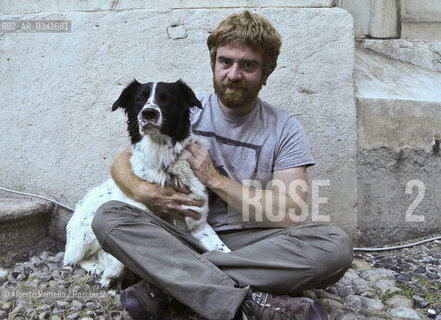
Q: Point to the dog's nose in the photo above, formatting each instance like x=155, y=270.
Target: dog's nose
x=150, y=114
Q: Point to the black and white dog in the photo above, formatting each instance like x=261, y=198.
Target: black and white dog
x=158, y=122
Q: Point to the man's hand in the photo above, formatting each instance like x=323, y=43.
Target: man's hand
x=165, y=202
x=203, y=166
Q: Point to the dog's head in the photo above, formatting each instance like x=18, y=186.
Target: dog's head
x=157, y=108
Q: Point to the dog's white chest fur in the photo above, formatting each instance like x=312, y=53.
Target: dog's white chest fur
x=165, y=163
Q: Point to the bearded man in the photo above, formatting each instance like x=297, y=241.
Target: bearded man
x=252, y=145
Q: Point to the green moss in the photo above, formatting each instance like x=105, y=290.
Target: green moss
x=431, y=292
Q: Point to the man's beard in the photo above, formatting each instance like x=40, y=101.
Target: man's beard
x=243, y=95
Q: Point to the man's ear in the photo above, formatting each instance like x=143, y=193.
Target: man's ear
x=126, y=95
x=189, y=95
x=265, y=77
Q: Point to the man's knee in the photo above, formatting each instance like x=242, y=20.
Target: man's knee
x=339, y=251
x=344, y=247
x=105, y=219
x=330, y=248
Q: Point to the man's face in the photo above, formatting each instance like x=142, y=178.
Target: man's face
x=238, y=76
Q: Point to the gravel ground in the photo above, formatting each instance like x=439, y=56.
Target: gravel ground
x=399, y=284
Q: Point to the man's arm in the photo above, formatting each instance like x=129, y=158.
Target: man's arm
x=284, y=205
x=164, y=202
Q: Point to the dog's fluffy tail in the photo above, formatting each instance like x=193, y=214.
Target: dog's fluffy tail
x=74, y=252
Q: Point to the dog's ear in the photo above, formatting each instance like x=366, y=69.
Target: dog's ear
x=126, y=95
x=189, y=95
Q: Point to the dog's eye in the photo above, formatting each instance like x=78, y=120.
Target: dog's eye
x=140, y=99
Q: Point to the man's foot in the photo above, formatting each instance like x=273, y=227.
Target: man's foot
x=145, y=301
x=264, y=306
x=178, y=311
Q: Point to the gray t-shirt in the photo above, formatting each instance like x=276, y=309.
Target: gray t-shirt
x=246, y=148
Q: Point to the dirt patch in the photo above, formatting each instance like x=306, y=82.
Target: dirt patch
x=9, y=259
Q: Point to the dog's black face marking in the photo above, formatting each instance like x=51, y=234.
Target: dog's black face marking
x=160, y=106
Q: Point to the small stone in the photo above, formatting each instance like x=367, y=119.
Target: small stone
x=7, y=306
x=44, y=308
x=92, y=305
x=405, y=313
x=360, y=282
x=403, y=278
x=360, y=265
x=364, y=291
x=112, y=293
x=331, y=304
x=77, y=304
x=46, y=278
x=73, y=316
x=432, y=276
x=61, y=304
x=31, y=313
x=44, y=255
x=387, y=286
x=346, y=315
x=22, y=276
x=354, y=302
x=3, y=315
x=34, y=283
x=57, y=312
x=19, y=308
x=79, y=271
x=55, y=273
x=66, y=269
x=90, y=313
x=322, y=294
x=374, y=275
x=420, y=302
x=3, y=274
x=59, y=256
x=115, y=314
x=348, y=278
x=399, y=301
x=43, y=315
x=420, y=270
x=371, y=307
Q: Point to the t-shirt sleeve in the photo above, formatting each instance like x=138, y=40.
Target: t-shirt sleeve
x=293, y=148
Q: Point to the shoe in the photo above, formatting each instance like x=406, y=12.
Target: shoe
x=264, y=306
x=144, y=301
x=178, y=311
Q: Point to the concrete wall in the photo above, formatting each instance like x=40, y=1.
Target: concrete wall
x=374, y=18
x=399, y=180
x=421, y=19
x=398, y=112
x=59, y=136
x=405, y=19
x=33, y=6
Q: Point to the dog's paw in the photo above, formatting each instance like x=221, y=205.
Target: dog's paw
x=92, y=268
x=105, y=282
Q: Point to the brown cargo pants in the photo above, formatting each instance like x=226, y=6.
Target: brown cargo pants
x=214, y=284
